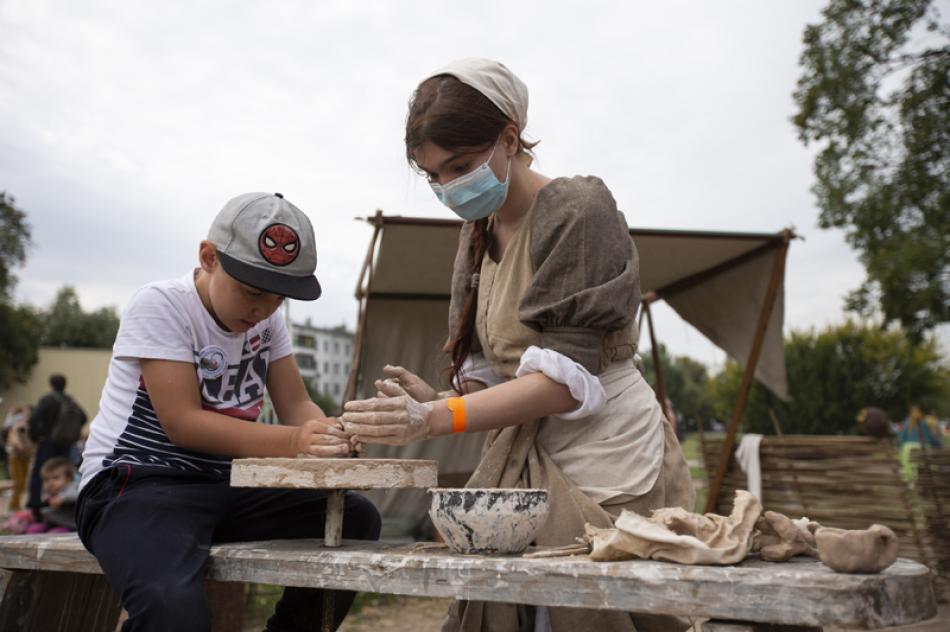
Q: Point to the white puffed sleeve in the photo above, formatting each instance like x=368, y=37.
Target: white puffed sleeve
x=477, y=368
x=584, y=387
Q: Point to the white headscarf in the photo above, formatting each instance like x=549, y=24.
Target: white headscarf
x=495, y=81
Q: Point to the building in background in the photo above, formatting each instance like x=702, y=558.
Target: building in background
x=323, y=356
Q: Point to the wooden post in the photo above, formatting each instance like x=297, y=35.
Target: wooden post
x=362, y=303
x=332, y=537
x=778, y=273
x=333, y=530
x=657, y=370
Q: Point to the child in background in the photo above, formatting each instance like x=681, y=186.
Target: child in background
x=186, y=382
x=60, y=489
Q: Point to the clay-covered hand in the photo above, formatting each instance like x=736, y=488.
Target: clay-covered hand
x=321, y=437
x=390, y=420
x=411, y=384
x=779, y=538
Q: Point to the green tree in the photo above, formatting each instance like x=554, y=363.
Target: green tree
x=876, y=99
x=67, y=325
x=14, y=241
x=19, y=326
x=20, y=329
x=685, y=382
x=834, y=373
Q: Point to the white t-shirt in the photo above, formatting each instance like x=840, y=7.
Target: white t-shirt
x=167, y=321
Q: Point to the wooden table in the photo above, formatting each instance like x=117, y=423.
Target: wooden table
x=803, y=592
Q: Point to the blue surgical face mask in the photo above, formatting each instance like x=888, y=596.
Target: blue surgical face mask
x=476, y=194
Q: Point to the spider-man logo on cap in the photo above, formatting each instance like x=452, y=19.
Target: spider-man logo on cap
x=279, y=244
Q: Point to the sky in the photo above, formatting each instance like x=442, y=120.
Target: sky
x=125, y=127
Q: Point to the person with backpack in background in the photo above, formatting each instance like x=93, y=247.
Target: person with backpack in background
x=54, y=427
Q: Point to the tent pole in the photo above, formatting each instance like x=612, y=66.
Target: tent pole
x=778, y=273
x=657, y=371
x=643, y=313
x=362, y=303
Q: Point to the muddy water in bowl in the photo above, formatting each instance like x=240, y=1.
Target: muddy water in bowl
x=488, y=520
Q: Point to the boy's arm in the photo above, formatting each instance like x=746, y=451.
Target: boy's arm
x=174, y=393
x=289, y=395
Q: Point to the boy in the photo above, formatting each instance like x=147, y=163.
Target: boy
x=188, y=371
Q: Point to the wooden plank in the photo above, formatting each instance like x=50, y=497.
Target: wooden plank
x=66, y=602
x=801, y=592
x=738, y=626
x=318, y=473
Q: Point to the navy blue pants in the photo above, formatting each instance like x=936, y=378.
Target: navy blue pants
x=151, y=529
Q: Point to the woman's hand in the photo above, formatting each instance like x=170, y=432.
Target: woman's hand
x=411, y=384
x=392, y=420
x=321, y=437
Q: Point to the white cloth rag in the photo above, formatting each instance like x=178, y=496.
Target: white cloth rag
x=747, y=454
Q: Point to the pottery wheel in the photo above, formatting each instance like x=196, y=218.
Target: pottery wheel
x=316, y=473
x=335, y=476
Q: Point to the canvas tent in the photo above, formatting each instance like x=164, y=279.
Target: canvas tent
x=728, y=285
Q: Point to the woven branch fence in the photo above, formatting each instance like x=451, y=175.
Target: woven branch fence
x=852, y=483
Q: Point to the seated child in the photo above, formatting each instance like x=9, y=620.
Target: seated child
x=185, y=386
x=60, y=489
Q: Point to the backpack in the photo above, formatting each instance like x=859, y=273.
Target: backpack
x=69, y=421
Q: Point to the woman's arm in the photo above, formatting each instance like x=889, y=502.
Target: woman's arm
x=173, y=391
x=514, y=402
x=401, y=419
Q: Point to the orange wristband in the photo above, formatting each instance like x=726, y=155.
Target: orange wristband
x=457, y=406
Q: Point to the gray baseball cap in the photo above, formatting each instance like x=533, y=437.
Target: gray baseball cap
x=266, y=242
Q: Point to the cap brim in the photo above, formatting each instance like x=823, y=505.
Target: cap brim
x=305, y=288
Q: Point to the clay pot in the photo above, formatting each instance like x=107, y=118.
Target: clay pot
x=488, y=520
x=868, y=551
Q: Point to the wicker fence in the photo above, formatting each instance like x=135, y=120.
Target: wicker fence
x=851, y=483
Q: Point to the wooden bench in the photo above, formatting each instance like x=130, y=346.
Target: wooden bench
x=799, y=593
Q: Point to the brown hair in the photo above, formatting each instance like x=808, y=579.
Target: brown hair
x=56, y=463
x=453, y=115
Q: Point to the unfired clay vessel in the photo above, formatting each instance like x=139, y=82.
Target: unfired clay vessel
x=868, y=551
x=488, y=520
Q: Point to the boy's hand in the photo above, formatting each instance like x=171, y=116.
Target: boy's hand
x=55, y=501
x=321, y=437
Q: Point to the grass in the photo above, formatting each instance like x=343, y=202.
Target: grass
x=263, y=598
x=693, y=453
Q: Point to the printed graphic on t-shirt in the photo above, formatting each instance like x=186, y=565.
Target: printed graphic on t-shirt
x=236, y=390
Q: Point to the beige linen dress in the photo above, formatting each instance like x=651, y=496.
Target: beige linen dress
x=569, y=281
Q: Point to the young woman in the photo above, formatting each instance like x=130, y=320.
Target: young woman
x=545, y=290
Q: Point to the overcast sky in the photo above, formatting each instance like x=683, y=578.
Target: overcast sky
x=125, y=126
